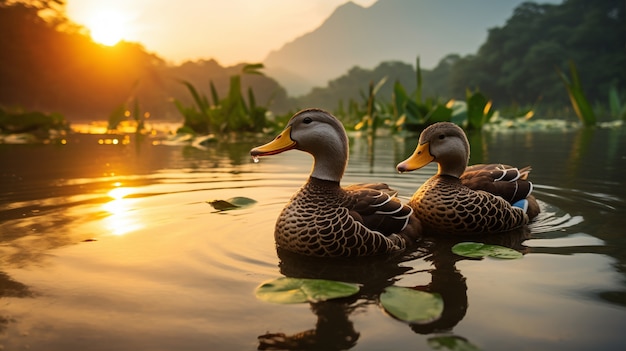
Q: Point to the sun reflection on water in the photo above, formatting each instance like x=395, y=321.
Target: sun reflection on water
x=121, y=221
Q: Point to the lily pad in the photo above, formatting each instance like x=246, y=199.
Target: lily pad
x=478, y=250
x=288, y=290
x=234, y=203
x=452, y=343
x=411, y=305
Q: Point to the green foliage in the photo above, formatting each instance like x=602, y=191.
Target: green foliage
x=411, y=305
x=579, y=102
x=122, y=112
x=348, y=88
x=287, y=290
x=45, y=68
x=478, y=250
x=417, y=113
x=52, y=64
x=231, y=113
x=371, y=119
x=37, y=123
x=478, y=109
x=515, y=66
x=617, y=108
x=117, y=116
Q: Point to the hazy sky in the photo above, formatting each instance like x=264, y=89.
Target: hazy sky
x=230, y=31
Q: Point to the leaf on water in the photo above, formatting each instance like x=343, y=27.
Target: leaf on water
x=479, y=250
x=411, y=305
x=234, y=203
x=452, y=343
x=288, y=290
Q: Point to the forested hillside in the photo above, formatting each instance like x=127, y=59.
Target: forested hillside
x=517, y=65
x=51, y=65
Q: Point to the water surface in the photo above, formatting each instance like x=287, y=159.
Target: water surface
x=114, y=247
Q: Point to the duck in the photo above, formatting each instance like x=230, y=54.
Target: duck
x=462, y=199
x=324, y=218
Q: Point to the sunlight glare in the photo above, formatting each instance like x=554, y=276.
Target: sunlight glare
x=121, y=221
x=108, y=27
x=119, y=193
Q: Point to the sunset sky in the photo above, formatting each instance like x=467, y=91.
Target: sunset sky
x=229, y=31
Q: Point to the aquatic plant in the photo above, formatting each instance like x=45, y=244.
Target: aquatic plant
x=478, y=109
x=617, y=108
x=416, y=113
x=579, y=102
x=371, y=119
x=288, y=290
x=39, y=124
x=231, y=113
x=124, y=111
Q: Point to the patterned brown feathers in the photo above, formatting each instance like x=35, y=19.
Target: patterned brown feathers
x=478, y=199
x=325, y=219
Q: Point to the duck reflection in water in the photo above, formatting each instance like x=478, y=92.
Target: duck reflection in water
x=335, y=331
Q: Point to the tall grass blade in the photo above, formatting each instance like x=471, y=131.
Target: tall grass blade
x=116, y=117
x=214, y=95
x=418, y=77
x=579, y=102
x=616, y=108
x=200, y=101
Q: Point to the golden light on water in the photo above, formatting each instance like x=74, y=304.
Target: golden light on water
x=121, y=220
x=122, y=140
x=119, y=193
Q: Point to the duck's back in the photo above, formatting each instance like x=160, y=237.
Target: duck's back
x=323, y=219
x=445, y=206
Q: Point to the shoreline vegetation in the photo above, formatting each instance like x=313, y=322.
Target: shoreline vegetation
x=573, y=77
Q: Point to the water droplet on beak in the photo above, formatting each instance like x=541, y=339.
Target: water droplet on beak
x=255, y=159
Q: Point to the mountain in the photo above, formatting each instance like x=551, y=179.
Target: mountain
x=389, y=30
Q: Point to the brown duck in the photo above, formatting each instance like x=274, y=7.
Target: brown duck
x=480, y=199
x=325, y=219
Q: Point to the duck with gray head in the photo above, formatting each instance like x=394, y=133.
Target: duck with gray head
x=325, y=219
x=480, y=199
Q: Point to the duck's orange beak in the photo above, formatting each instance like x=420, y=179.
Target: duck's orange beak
x=282, y=142
x=420, y=158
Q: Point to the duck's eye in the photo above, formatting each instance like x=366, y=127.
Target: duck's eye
x=307, y=120
x=442, y=136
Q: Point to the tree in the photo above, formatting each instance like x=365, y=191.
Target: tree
x=516, y=65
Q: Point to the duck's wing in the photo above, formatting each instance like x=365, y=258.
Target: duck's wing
x=375, y=208
x=508, y=182
x=375, y=186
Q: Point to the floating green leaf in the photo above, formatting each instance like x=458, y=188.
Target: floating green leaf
x=411, y=305
x=288, y=290
x=477, y=250
x=451, y=342
x=234, y=203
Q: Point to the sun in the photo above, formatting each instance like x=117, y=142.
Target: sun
x=107, y=27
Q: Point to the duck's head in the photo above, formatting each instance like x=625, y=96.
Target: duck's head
x=444, y=143
x=320, y=134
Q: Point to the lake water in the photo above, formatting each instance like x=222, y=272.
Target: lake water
x=108, y=246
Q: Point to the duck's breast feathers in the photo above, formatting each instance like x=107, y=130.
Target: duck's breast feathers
x=445, y=206
x=323, y=219
x=505, y=181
